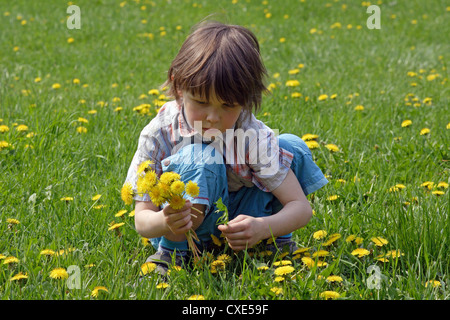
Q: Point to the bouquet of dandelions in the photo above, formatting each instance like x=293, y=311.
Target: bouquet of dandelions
x=168, y=188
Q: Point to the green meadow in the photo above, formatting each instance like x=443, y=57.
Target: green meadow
x=372, y=104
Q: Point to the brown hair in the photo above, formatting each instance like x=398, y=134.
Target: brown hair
x=219, y=59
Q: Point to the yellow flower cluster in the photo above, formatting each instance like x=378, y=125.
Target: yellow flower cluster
x=168, y=188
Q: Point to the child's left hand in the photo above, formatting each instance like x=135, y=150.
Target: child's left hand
x=243, y=232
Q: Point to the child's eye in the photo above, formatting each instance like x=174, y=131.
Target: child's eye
x=201, y=102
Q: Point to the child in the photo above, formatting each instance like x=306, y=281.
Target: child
x=209, y=135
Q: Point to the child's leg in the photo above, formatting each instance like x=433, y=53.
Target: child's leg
x=255, y=202
x=199, y=163
x=305, y=169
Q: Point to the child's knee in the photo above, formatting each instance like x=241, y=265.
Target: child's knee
x=197, y=163
x=293, y=144
x=200, y=155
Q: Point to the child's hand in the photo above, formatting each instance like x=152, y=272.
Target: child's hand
x=243, y=232
x=178, y=221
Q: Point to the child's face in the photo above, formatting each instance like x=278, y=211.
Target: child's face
x=213, y=114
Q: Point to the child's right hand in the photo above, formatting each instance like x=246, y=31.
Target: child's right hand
x=178, y=221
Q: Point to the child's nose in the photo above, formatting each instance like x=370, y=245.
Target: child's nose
x=213, y=117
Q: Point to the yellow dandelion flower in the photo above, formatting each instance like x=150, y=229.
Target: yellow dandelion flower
x=438, y=192
x=143, y=166
x=192, y=189
x=96, y=197
x=154, y=92
x=147, y=267
x=47, y=252
x=424, y=131
x=360, y=252
x=350, y=238
x=94, y=292
x=309, y=137
x=262, y=268
x=156, y=196
x=330, y=295
x=12, y=221
x=319, y=234
x=394, y=253
x=146, y=181
x=443, y=185
x=19, y=276
x=126, y=193
x=277, y=290
x=332, y=147
x=428, y=184
x=320, y=253
x=196, y=297
x=433, y=283
x=4, y=144
x=406, y=123
x=334, y=279
x=116, y=226
x=308, y=262
x=22, y=128
x=321, y=263
x=216, y=240
x=282, y=263
x=177, y=202
x=177, y=187
x=279, y=279
x=323, y=97
x=292, y=83
x=333, y=197
x=169, y=177
x=379, y=242
x=162, y=285
x=11, y=259
x=59, y=273
x=4, y=128
x=332, y=238
x=312, y=144
x=120, y=213
x=81, y=129
x=224, y=257
x=56, y=86
x=164, y=189
x=218, y=264
x=359, y=108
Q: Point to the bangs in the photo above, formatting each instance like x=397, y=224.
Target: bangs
x=222, y=61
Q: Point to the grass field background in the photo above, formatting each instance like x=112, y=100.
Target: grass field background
x=73, y=102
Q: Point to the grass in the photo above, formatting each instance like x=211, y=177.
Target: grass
x=396, y=73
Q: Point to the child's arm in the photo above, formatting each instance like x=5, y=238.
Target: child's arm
x=151, y=222
x=245, y=231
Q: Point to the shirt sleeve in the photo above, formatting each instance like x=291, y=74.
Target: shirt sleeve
x=268, y=161
x=149, y=148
